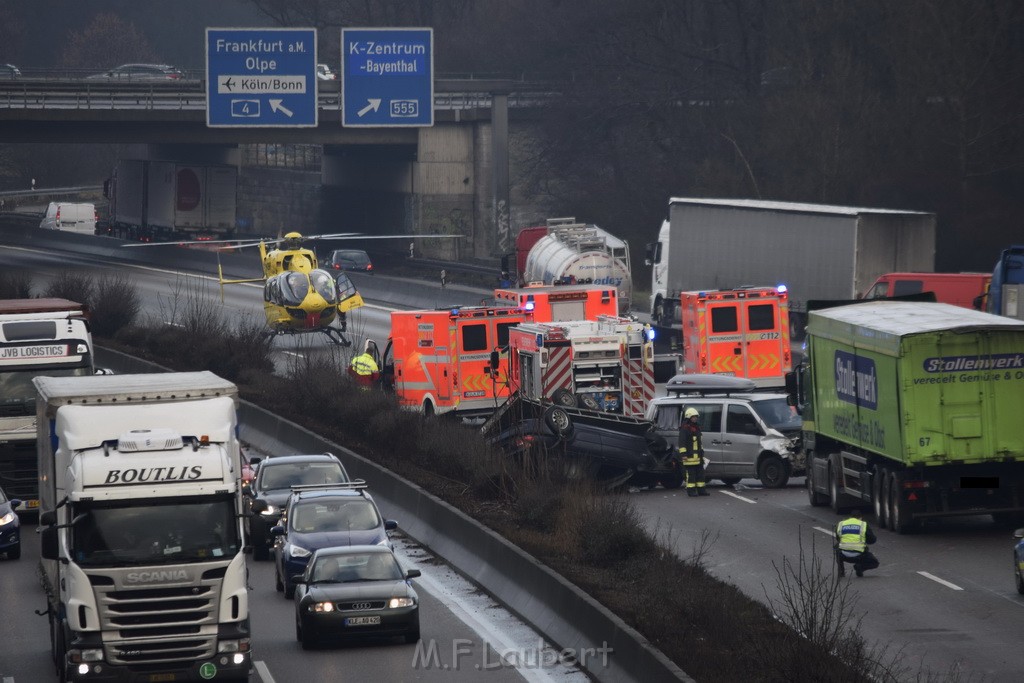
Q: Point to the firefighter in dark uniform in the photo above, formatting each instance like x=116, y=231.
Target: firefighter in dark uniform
x=852, y=540
x=691, y=453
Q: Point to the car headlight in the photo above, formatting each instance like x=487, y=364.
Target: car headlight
x=271, y=510
x=395, y=603
x=298, y=551
x=322, y=607
x=79, y=656
x=7, y=519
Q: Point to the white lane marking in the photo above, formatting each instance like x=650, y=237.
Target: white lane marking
x=936, y=579
x=264, y=672
x=292, y=353
x=824, y=531
x=736, y=495
x=8, y=679
x=488, y=629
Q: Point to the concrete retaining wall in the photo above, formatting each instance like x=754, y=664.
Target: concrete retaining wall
x=563, y=613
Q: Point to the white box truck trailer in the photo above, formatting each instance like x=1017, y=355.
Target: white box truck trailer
x=141, y=519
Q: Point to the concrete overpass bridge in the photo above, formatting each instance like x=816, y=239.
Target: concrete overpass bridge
x=451, y=178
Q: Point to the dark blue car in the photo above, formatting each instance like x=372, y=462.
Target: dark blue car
x=324, y=517
x=10, y=531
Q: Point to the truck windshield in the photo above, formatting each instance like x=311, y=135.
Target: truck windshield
x=18, y=394
x=154, y=531
x=778, y=414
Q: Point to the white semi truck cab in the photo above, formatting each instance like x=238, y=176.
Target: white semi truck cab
x=142, y=536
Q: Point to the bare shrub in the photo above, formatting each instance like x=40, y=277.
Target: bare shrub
x=538, y=505
x=115, y=304
x=73, y=286
x=15, y=284
x=611, y=531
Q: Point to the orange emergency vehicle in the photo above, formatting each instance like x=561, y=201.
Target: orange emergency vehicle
x=604, y=364
x=742, y=332
x=438, y=361
x=552, y=303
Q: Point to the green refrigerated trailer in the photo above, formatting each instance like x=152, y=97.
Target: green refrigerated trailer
x=914, y=409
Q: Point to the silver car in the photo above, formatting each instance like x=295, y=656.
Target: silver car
x=746, y=434
x=140, y=73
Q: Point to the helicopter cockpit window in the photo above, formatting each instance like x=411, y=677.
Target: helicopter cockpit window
x=294, y=288
x=324, y=285
x=345, y=287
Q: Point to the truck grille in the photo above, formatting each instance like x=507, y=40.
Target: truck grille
x=159, y=625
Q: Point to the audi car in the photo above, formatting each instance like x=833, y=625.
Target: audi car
x=355, y=592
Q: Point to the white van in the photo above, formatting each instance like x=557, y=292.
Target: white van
x=70, y=216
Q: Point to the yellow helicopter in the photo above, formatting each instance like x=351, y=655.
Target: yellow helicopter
x=298, y=296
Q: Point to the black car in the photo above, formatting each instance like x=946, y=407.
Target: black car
x=274, y=480
x=340, y=515
x=10, y=527
x=602, y=445
x=358, y=591
x=351, y=260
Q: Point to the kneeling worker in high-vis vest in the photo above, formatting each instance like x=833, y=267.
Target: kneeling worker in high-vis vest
x=852, y=540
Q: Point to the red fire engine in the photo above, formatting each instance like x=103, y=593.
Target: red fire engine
x=439, y=361
x=604, y=364
x=553, y=303
x=742, y=332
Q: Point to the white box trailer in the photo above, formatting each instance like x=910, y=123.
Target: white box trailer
x=141, y=509
x=817, y=251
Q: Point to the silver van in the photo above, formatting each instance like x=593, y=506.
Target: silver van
x=73, y=217
x=746, y=434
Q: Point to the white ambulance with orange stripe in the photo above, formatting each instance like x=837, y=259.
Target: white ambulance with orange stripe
x=604, y=364
x=742, y=332
x=438, y=361
x=553, y=303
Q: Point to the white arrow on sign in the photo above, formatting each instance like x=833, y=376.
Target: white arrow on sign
x=374, y=105
x=276, y=106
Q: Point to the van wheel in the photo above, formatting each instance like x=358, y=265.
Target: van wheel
x=558, y=421
x=773, y=472
x=428, y=409
x=564, y=397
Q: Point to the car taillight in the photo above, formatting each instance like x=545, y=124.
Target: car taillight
x=369, y=266
x=58, y=216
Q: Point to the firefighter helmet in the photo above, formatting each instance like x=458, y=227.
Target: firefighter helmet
x=691, y=412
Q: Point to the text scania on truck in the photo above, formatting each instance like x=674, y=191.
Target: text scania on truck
x=37, y=337
x=913, y=408
x=142, y=537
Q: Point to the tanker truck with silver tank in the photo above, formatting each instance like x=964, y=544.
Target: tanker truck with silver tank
x=578, y=253
x=141, y=524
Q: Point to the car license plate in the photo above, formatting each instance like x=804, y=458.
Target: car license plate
x=362, y=621
x=154, y=678
x=32, y=504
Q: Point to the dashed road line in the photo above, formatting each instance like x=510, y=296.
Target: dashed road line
x=739, y=497
x=263, y=671
x=823, y=530
x=936, y=579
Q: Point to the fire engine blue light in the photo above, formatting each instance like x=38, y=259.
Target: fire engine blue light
x=540, y=340
x=455, y=311
x=529, y=306
x=650, y=334
x=782, y=289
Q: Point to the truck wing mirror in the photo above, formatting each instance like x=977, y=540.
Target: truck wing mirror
x=49, y=549
x=48, y=518
x=495, y=360
x=412, y=573
x=259, y=506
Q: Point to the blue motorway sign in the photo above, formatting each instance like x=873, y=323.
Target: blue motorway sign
x=387, y=77
x=263, y=77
